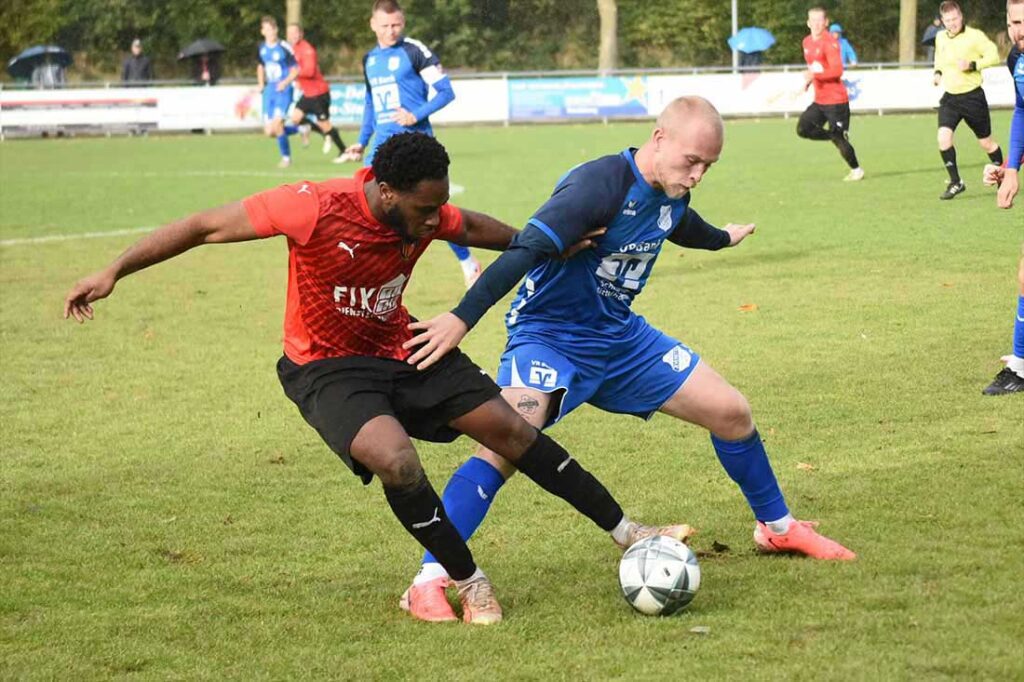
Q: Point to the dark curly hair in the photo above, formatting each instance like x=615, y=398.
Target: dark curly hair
x=405, y=160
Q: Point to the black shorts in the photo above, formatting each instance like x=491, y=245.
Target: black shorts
x=338, y=396
x=319, y=106
x=836, y=115
x=971, y=107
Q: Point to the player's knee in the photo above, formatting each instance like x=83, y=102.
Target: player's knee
x=803, y=128
x=512, y=436
x=400, y=469
x=734, y=419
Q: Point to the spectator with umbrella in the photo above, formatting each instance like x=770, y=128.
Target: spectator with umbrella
x=42, y=65
x=204, y=54
x=751, y=42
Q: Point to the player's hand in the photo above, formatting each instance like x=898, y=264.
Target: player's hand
x=992, y=175
x=586, y=242
x=281, y=86
x=964, y=65
x=356, y=150
x=738, y=233
x=936, y=79
x=92, y=288
x=1008, y=189
x=436, y=337
x=403, y=117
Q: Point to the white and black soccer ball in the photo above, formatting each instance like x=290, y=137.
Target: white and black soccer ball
x=659, y=576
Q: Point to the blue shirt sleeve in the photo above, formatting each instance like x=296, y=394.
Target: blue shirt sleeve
x=1016, y=145
x=369, y=119
x=695, y=233
x=586, y=198
x=289, y=56
x=445, y=96
x=428, y=67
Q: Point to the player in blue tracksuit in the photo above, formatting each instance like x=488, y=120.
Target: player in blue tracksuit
x=573, y=338
x=275, y=72
x=1011, y=378
x=399, y=73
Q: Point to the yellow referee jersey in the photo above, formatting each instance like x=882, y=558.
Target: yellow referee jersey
x=970, y=45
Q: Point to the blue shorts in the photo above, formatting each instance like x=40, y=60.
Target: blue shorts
x=634, y=374
x=276, y=104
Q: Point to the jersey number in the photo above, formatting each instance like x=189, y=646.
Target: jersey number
x=273, y=70
x=630, y=267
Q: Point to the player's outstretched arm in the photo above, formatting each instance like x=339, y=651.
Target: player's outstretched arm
x=229, y=223
x=484, y=232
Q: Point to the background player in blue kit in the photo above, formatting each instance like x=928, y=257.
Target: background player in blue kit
x=276, y=71
x=573, y=338
x=399, y=74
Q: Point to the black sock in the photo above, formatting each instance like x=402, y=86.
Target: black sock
x=336, y=138
x=996, y=157
x=846, y=150
x=548, y=465
x=421, y=513
x=949, y=158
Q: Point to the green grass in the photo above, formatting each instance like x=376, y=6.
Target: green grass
x=166, y=513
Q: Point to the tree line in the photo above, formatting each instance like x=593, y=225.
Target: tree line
x=469, y=35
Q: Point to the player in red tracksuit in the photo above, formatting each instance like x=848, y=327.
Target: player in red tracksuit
x=316, y=93
x=831, y=103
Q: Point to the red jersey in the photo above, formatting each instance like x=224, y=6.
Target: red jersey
x=346, y=271
x=310, y=80
x=824, y=60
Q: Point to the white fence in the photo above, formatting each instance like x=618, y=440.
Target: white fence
x=479, y=100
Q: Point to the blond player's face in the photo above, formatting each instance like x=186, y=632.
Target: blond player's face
x=817, y=22
x=682, y=157
x=953, y=21
x=269, y=32
x=387, y=27
x=1015, y=24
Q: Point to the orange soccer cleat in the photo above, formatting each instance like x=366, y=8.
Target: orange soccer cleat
x=427, y=601
x=801, y=539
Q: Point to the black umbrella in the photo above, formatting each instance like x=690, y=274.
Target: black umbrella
x=201, y=47
x=23, y=65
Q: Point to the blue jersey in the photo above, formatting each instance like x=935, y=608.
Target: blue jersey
x=1015, y=62
x=401, y=76
x=591, y=293
x=277, y=61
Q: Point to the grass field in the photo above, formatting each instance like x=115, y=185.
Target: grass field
x=166, y=513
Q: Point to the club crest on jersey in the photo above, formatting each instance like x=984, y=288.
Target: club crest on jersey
x=371, y=61
x=408, y=249
x=678, y=359
x=393, y=63
x=665, y=219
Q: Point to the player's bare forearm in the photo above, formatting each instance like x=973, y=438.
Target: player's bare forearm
x=484, y=232
x=228, y=223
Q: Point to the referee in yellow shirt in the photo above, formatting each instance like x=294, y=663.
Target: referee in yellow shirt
x=961, y=53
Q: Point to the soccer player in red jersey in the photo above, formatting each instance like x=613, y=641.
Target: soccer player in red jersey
x=352, y=246
x=831, y=103
x=316, y=93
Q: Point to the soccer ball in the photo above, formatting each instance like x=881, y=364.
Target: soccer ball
x=659, y=576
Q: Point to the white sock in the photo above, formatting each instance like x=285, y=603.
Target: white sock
x=468, y=265
x=1016, y=365
x=620, y=533
x=781, y=526
x=477, y=575
x=429, y=571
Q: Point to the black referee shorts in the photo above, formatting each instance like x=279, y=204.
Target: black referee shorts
x=319, y=106
x=337, y=396
x=971, y=107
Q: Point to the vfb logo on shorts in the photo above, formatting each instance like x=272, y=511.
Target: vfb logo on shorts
x=542, y=374
x=678, y=359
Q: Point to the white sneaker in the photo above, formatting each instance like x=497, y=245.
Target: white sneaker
x=285, y=162
x=855, y=175
x=304, y=132
x=328, y=145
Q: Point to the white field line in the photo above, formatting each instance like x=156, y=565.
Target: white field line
x=454, y=190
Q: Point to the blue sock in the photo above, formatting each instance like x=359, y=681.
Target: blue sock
x=284, y=146
x=468, y=496
x=461, y=252
x=290, y=129
x=1018, y=329
x=746, y=462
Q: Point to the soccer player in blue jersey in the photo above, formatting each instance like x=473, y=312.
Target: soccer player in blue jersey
x=275, y=72
x=1011, y=378
x=573, y=337
x=399, y=74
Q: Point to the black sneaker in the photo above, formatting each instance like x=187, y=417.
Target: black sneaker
x=953, y=189
x=1007, y=381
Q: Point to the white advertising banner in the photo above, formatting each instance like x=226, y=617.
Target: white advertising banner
x=211, y=108
x=477, y=100
x=38, y=110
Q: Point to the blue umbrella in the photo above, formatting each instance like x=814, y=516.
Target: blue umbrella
x=752, y=39
x=22, y=65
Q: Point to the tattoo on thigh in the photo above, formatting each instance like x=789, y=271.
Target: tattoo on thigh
x=527, y=404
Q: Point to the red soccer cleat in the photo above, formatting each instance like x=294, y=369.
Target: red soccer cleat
x=427, y=601
x=801, y=539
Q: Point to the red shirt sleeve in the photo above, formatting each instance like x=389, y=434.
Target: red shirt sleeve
x=451, y=223
x=291, y=210
x=834, y=62
x=306, y=57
